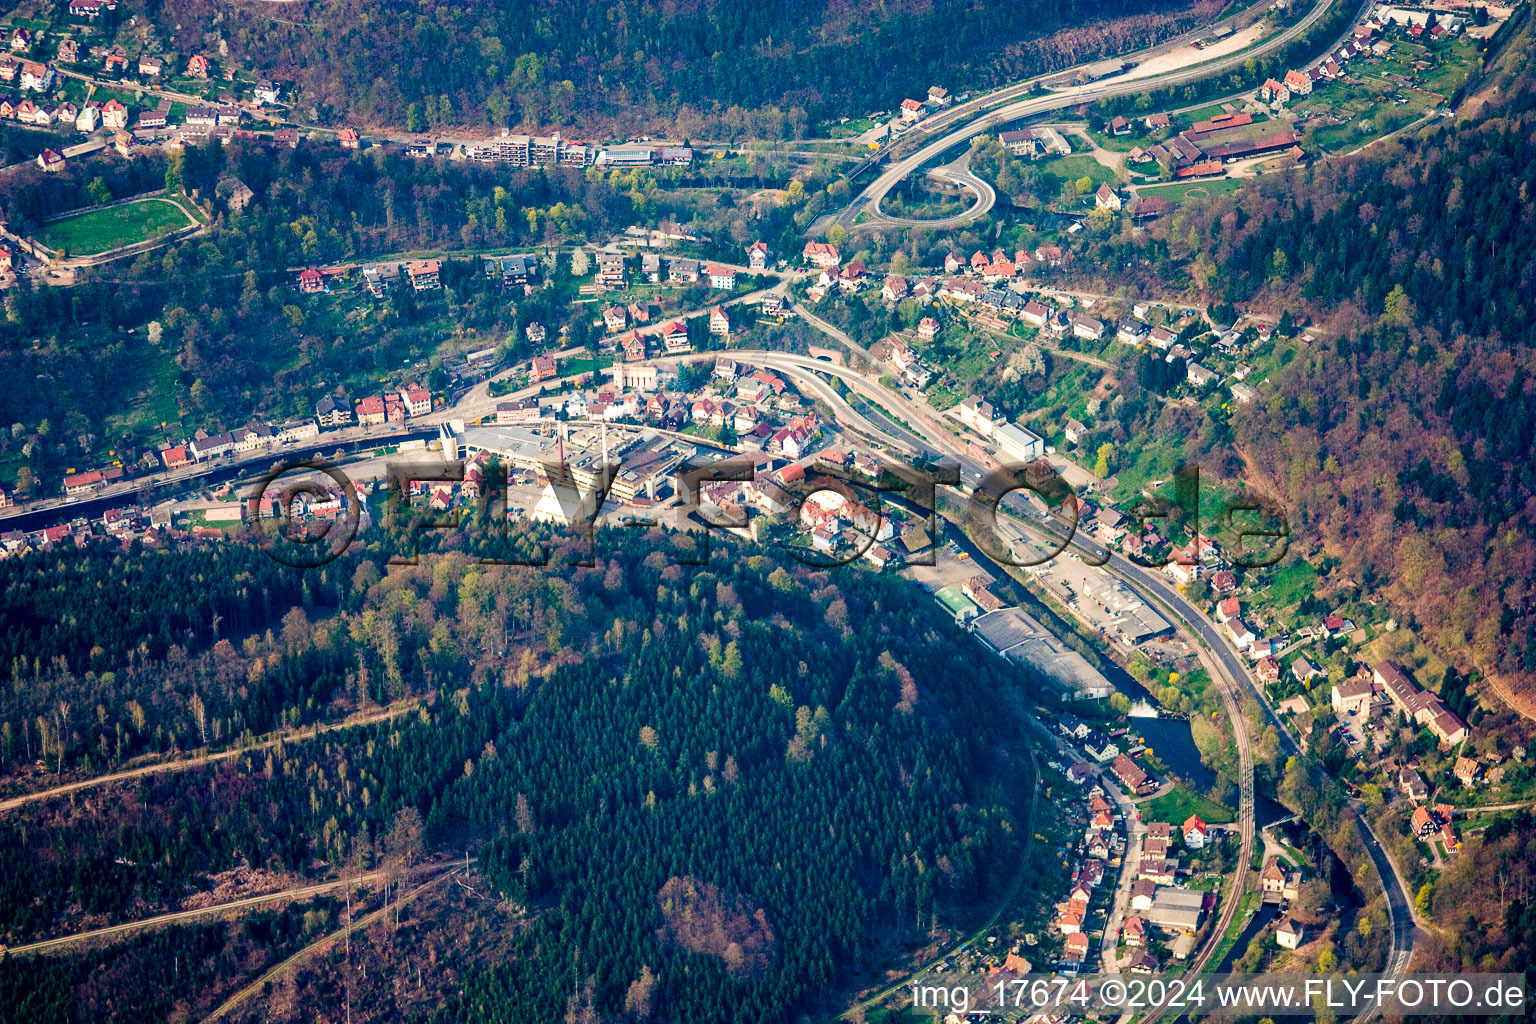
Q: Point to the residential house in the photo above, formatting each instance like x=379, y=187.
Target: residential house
x=719, y=323
x=927, y=329
x=721, y=277
x=1412, y=785
x=1131, y=775
x=1106, y=198
x=544, y=367
x=758, y=255
x=417, y=399
x=1272, y=880
x=1467, y=771
x=198, y=66
x=371, y=411
x=331, y=412
x=311, y=281
x=50, y=160
x=424, y=275
x=35, y=76
x=1274, y=92
x=674, y=338
x=911, y=111
x=894, y=289
x=154, y=67
x=114, y=114
x=821, y=254
x=1305, y=671
x=683, y=271
x=1131, y=331
x=1087, y=327
x=176, y=457
x=79, y=483
x=1196, y=832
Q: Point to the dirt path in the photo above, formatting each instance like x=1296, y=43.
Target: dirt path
x=265, y=979
x=179, y=916
x=160, y=767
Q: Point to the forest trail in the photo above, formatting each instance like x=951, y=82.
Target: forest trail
x=394, y=710
x=274, y=973
x=179, y=916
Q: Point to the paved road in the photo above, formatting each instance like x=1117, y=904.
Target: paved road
x=868, y=200
x=1231, y=673
x=958, y=173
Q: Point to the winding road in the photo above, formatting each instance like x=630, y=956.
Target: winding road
x=868, y=200
x=1224, y=664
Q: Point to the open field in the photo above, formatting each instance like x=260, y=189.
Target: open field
x=102, y=230
x=1179, y=803
x=1186, y=191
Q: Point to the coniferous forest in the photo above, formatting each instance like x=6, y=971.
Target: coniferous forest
x=707, y=64
x=732, y=785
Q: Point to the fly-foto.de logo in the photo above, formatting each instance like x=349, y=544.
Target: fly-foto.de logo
x=308, y=512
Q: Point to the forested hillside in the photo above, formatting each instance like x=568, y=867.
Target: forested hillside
x=1401, y=439
x=739, y=782
x=701, y=65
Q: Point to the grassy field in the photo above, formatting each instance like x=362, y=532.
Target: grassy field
x=1292, y=583
x=101, y=230
x=1185, y=191
x=1179, y=803
x=1071, y=168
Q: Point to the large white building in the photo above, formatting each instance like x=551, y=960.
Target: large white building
x=1017, y=444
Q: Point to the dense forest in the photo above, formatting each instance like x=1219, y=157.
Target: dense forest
x=705, y=67
x=740, y=781
x=1484, y=902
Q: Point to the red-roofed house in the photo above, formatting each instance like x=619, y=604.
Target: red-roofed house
x=371, y=411
x=821, y=254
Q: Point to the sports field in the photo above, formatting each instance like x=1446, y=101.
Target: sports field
x=101, y=230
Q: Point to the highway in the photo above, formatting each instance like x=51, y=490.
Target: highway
x=868, y=200
x=1225, y=666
